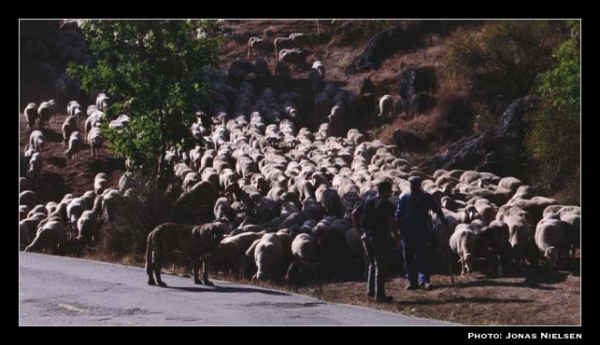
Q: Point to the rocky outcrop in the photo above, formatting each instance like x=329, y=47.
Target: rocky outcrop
x=381, y=46
x=498, y=150
x=408, y=141
x=414, y=84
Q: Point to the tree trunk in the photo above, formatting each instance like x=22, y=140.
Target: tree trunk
x=162, y=166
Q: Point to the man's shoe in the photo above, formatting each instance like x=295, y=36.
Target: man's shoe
x=426, y=286
x=384, y=299
x=411, y=287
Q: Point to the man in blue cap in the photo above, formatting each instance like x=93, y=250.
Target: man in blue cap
x=412, y=216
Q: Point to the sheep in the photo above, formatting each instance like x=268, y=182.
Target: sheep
x=23, y=212
x=232, y=248
x=462, y=242
x=510, y=183
x=28, y=198
x=282, y=70
x=100, y=183
x=34, y=171
x=37, y=141
x=112, y=202
x=300, y=271
x=283, y=43
x=320, y=68
x=267, y=252
x=551, y=239
x=257, y=45
x=95, y=139
x=304, y=247
x=92, y=121
x=74, y=210
x=75, y=145
x=261, y=68
x=386, y=106
x=44, y=113
x=519, y=224
x=295, y=57
x=87, y=224
x=573, y=222
x=239, y=70
x=101, y=101
x=336, y=117
x=51, y=237
x=493, y=244
x=24, y=184
x=31, y=115
x=301, y=39
x=68, y=127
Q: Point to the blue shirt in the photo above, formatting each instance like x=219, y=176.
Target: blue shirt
x=412, y=212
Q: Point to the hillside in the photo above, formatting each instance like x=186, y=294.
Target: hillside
x=443, y=111
x=440, y=119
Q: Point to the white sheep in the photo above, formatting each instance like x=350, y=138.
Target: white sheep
x=75, y=145
x=37, y=141
x=304, y=247
x=267, y=252
x=95, y=139
x=301, y=39
x=87, y=224
x=551, y=239
x=386, y=106
x=44, y=112
x=51, y=237
x=28, y=198
x=31, y=115
x=283, y=43
x=462, y=242
x=68, y=127
x=101, y=101
x=34, y=172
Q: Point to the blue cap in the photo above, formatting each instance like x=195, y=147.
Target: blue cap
x=415, y=180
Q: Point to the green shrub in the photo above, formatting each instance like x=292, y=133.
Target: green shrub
x=553, y=138
x=501, y=60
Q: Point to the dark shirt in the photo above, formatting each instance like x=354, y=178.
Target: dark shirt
x=412, y=212
x=377, y=213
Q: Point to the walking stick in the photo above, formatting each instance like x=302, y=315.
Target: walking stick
x=448, y=256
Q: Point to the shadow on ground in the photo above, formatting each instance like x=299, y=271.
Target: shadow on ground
x=227, y=289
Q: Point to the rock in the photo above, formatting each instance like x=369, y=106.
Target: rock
x=408, y=141
x=381, y=46
x=497, y=150
x=366, y=86
x=413, y=84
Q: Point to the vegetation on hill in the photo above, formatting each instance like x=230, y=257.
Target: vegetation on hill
x=153, y=70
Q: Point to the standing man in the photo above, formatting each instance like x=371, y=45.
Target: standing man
x=378, y=227
x=412, y=217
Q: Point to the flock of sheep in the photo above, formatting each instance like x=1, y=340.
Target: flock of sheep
x=284, y=194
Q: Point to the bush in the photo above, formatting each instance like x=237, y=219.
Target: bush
x=137, y=216
x=553, y=138
x=500, y=61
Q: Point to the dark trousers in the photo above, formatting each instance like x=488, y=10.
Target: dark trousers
x=416, y=260
x=378, y=249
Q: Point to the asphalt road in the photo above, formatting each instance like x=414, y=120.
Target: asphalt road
x=56, y=290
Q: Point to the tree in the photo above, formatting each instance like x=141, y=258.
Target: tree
x=154, y=68
x=553, y=139
x=501, y=60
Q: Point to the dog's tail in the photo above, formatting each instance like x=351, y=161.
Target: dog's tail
x=149, y=252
